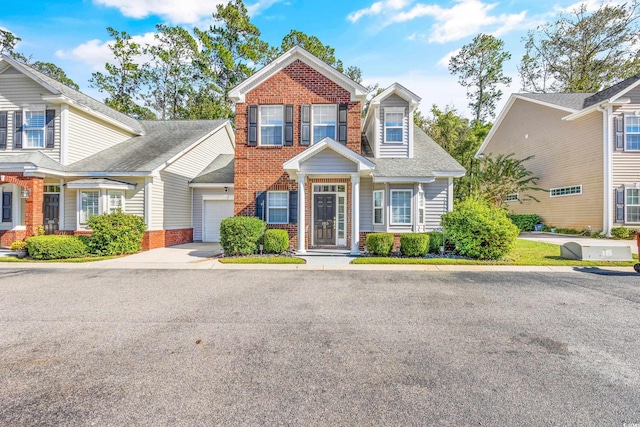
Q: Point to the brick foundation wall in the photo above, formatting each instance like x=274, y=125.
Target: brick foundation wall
x=154, y=239
x=363, y=239
x=9, y=236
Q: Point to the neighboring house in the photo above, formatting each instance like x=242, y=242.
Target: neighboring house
x=587, y=154
x=65, y=156
x=305, y=161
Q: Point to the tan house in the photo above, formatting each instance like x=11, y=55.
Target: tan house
x=587, y=154
x=65, y=156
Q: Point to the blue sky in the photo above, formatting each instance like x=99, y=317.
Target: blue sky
x=404, y=41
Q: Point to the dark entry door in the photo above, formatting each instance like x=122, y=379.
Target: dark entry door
x=51, y=212
x=324, y=219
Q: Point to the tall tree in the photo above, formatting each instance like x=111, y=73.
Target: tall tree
x=8, y=42
x=479, y=67
x=230, y=51
x=169, y=75
x=123, y=80
x=583, y=51
x=314, y=46
x=55, y=72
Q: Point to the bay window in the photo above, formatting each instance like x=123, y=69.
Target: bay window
x=89, y=204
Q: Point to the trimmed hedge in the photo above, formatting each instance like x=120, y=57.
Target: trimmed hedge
x=436, y=239
x=116, y=233
x=276, y=241
x=479, y=230
x=57, y=247
x=525, y=222
x=414, y=244
x=241, y=235
x=379, y=243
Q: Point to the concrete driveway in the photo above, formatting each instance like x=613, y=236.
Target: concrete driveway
x=196, y=255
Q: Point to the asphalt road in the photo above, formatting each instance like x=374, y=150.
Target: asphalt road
x=254, y=348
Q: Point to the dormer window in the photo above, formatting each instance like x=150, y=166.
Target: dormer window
x=271, y=124
x=394, y=125
x=324, y=118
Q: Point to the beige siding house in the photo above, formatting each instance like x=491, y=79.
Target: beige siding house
x=65, y=156
x=586, y=150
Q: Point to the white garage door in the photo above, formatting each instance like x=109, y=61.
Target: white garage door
x=214, y=212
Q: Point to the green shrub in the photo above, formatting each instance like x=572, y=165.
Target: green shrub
x=620, y=232
x=379, y=243
x=18, y=245
x=115, y=233
x=241, y=235
x=414, y=244
x=525, y=222
x=56, y=247
x=276, y=241
x=479, y=230
x=436, y=239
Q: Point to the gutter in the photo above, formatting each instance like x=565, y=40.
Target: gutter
x=607, y=157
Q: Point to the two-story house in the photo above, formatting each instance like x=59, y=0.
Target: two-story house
x=307, y=162
x=65, y=156
x=587, y=154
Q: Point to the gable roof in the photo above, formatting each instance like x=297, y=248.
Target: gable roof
x=612, y=93
x=397, y=89
x=292, y=166
x=570, y=101
x=220, y=171
x=162, y=141
x=65, y=94
x=358, y=92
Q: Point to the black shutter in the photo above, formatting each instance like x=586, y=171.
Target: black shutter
x=620, y=204
x=6, y=206
x=17, y=123
x=618, y=125
x=305, y=124
x=261, y=205
x=342, y=123
x=288, y=125
x=50, y=132
x=252, y=125
x=293, y=207
x=3, y=129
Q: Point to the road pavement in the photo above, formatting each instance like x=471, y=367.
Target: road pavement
x=365, y=348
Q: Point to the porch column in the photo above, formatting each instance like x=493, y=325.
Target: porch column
x=355, y=211
x=301, y=214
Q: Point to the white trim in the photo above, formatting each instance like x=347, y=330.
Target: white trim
x=412, y=110
x=122, y=199
x=259, y=125
x=337, y=194
x=394, y=110
x=286, y=207
x=64, y=134
x=218, y=197
x=355, y=211
x=292, y=166
x=373, y=204
x=357, y=91
x=607, y=158
x=400, y=190
x=148, y=183
x=15, y=64
x=80, y=225
x=626, y=205
x=302, y=213
x=61, y=219
x=210, y=185
x=404, y=179
x=566, y=187
x=109, y=186
x=395, y=88
x=449, y=195
x=335, y=117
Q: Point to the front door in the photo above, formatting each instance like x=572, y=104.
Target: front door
x=51, y=212
x=324, y=227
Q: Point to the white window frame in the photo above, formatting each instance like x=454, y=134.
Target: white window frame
x=569, y=190
x=627, y=204
x=80, y=207
x=393, y=110
x=391, y=221
x=514, y=197
x=111, y=209
x=381, y=207
x=261, y=125
x=25, y=133
x=421, y=206
x=285, y=207
x=313, y=120
x=624, y=126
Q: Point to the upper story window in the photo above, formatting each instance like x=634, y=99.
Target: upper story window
x=271, y=124
x=34, y=128
x=324, y=119
x=393, y=124
x=632, y=132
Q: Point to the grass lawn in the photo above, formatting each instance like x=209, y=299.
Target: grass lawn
x=526, y=252
x=84, y=259
x=262, y=260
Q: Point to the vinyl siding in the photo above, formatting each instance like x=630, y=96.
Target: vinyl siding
x=157, y=203
x=70, y=208
x=566, y=153
x=634, y=95
x=435, y=195
x=88, y=135
x=328, y=161
x=395, y=150
x=626, y=164
x=17, y=91
x=198, y=194
x=366, y=204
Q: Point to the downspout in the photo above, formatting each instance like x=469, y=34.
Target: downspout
x=607, y=213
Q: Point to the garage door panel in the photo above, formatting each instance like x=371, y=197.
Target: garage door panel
x=214, y=212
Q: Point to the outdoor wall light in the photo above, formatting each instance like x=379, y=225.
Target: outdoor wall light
x=25, y=193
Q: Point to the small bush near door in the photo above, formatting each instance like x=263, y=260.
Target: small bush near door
x=414, y=244
x=116, y=233
x=241, y=235
x=276, y=241
x=379, y=243
x=57, y=247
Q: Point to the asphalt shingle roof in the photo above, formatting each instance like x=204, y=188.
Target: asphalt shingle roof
x=429, y=159
x=36, y=157
x=575, y=101
x=605, y=94
x=162, y=141
x=220, y=171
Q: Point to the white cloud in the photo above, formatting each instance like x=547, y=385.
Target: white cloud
x=177, y=12
x=463, y=19
x=591, y=5
x=95, y=53
x=444, y=61
x=377, y=8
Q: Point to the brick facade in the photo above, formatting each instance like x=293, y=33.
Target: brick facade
x=33, y=216
x=260, y=168
x=154, y=239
